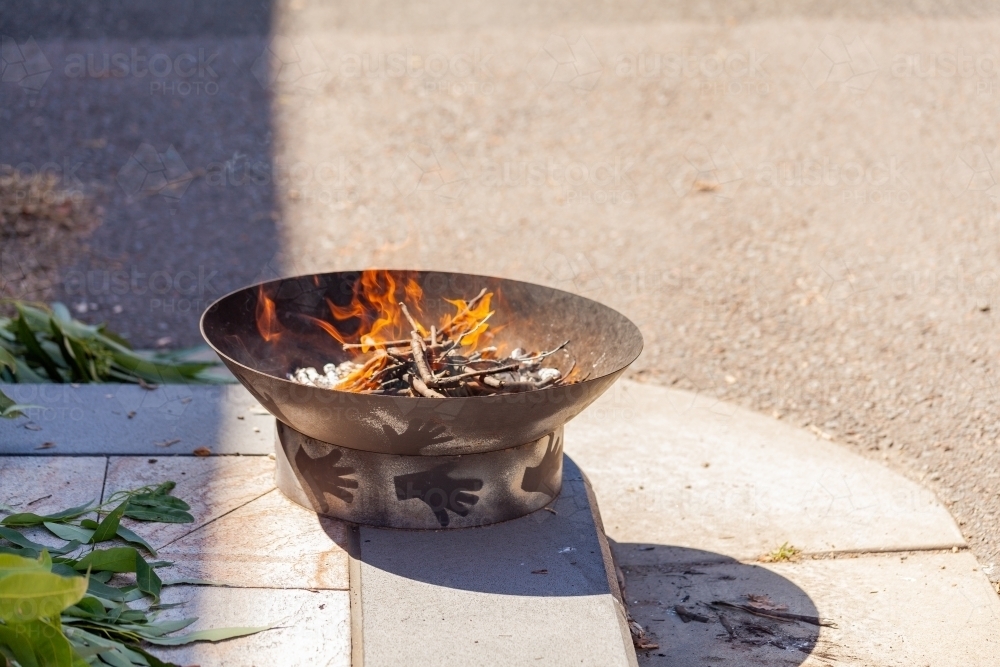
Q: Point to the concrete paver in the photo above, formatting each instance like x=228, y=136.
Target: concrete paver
x=535, y=590
x=126, y=419
x=693, y=491
x=674, y=468
x=30, y=484
x=213, y=487
x=891, y=610
x=311, y=628
x=269, y=542
x=34, y=484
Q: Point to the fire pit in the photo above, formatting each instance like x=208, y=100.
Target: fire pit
x=363, y=441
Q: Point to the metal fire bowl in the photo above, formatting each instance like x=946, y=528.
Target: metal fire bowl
x=603, y=341
x=418, y=492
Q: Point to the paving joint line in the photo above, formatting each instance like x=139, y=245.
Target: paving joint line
x=213, y=520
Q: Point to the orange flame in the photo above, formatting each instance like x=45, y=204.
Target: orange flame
x=469, y=320
x=376, y=310
x=267, y=318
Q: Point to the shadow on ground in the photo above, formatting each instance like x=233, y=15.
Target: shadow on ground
x=704, y=608
x=699, y=607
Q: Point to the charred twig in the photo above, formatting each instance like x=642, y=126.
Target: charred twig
x=409, y=318
x=419, y=360
x=510, y=385
x=686, y=615
x=422, y=389
x=439, y=362
x=773, y=614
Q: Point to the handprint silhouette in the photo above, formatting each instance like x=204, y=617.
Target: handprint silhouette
x=417, y=436
x=439, y=491
x=322, y=476
x=546, y=477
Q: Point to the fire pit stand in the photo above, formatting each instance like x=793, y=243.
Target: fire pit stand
x=421, y=492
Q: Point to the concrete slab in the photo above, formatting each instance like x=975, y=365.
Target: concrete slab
x=675, y=468
x=536, y=590
x=887, y=610
x=213, y=487
x=268, y=542
x=126, y=419
x=313, y=628
x=48, y=485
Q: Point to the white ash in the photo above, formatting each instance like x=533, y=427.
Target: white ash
x=330, y=377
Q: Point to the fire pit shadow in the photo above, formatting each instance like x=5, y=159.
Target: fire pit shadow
x=553, y=552
x=700, y=607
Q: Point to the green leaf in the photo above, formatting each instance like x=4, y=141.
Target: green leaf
x=61, y=349
x=7, y=360
x=159, y=500
x=17, y=640
x=31, y=519
x=108, y=528
x=26, y=337
x=23, y=553
x=146, y=578
x=131, y=537
x=213, y=635
x=162, y=515
x=157, y=371
x=115, y=559
x=68, y=531
x=10, y=564
x=9, y=409
x=161, y=628
x=61, y=312
x=20, y=540
x=102, y=590
x=69, y=359
x=29, y=595
x=192, y=581
x=41, y=644
x=89, y=605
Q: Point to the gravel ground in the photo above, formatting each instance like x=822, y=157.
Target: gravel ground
x=798, y=207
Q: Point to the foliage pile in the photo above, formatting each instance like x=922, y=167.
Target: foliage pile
x=71, y=605
x=42, y=344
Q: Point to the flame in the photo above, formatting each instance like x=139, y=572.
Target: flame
x=267, y=317
x=375, y=305
x=414, y=295
x=365, y=373
x=374, y=316
x=472, y=320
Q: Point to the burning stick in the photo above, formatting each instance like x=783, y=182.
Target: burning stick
x=430, y=363
x=419, y=360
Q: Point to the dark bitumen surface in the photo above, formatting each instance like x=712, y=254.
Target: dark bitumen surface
x=157, y=260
